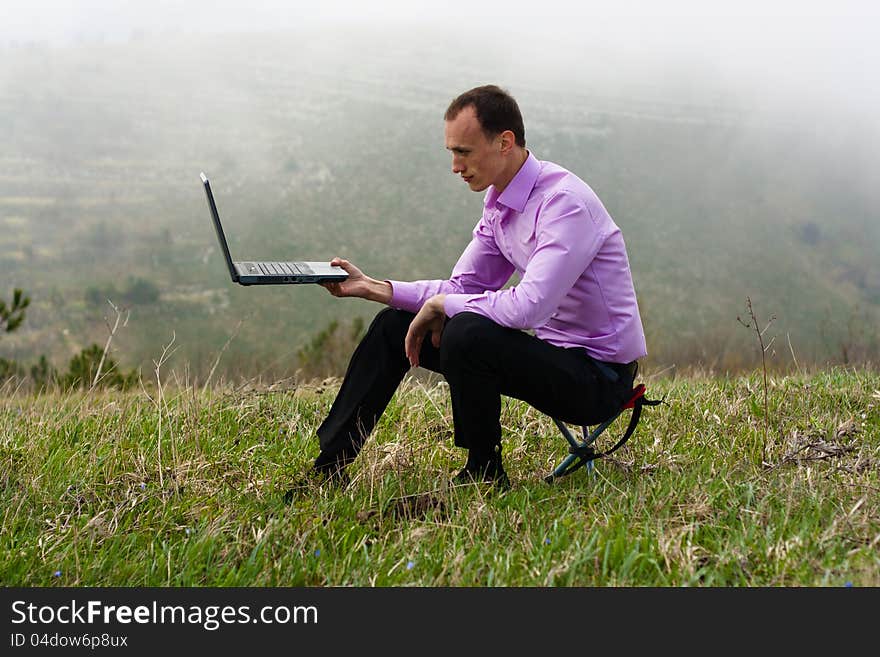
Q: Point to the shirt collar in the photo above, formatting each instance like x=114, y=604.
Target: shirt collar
x=517, y=192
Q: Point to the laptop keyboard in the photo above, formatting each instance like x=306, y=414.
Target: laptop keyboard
x=284, y=268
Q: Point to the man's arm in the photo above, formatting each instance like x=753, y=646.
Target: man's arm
x=480, y=267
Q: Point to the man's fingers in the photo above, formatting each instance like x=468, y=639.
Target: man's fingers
x=415, y=348
x=343, y=263
x=412, y=345
x=412, y=355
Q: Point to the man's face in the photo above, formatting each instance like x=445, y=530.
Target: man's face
x=476, y=158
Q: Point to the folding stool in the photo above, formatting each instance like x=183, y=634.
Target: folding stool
x=582, y=452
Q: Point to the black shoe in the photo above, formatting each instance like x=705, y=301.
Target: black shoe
x=331, y=467
x=497, y=478
x=335, y=476
x=333, y=462
x=316, y=478
x=487, y=469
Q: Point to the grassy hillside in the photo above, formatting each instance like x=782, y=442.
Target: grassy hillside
x=180, y=486
x=316, y=150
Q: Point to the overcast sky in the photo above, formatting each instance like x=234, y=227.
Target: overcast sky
x=806, y=25
x=828, y=48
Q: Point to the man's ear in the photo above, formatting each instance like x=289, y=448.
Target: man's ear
x=508, y=139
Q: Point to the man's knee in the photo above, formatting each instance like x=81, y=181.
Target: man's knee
x=464, y=336
x=390, y=323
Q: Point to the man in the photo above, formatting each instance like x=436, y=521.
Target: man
x=575, y=292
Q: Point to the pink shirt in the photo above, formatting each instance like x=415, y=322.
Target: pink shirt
x=575, y=287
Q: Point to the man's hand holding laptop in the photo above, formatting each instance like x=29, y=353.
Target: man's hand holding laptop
x=358, y=284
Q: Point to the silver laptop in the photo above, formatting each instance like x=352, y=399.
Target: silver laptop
x=270, y=273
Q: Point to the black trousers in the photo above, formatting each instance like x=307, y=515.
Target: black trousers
x=481, y=361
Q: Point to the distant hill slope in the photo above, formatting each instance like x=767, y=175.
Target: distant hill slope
x=315, y=152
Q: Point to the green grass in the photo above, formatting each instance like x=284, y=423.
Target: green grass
x=184, y=487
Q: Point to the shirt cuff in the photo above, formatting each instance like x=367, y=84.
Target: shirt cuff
x=405, y=296
x=455, y=303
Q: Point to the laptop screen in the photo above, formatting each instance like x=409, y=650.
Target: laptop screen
x=220, y=236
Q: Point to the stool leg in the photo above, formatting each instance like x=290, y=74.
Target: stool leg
x=587, y=440
x=565, y=432
x=569, y=465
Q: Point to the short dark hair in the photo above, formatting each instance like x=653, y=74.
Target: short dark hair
x=496, y=111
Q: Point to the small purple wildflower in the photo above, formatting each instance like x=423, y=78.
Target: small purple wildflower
x=410, y=565
x=57, y=573
x=546, y=541
x=143, y=486
x=317, y=553
x=848, y=585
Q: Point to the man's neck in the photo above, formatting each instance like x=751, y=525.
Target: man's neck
x=516, y=163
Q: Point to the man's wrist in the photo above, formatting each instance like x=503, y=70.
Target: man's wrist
x=438, y=302
x=381, y=291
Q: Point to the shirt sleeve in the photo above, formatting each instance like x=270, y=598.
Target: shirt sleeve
x=481, y=267
x=567, y=239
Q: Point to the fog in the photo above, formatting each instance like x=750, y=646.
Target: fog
x=821, y=54
x=735, y=143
